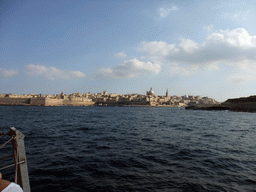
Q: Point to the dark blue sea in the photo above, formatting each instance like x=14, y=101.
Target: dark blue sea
x=75, y=149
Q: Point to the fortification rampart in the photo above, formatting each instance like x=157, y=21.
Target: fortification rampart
x=14, y=101
x=43, y=101
x=77, y=103
x=122, y=103
x=34, y=101
x=37, y=101
x=53, y=102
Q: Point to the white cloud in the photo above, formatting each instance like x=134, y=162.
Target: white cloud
x=212, y=67
x=160, y=48
x=242, y=15
x=131, y=68
x=244, y=71
x=231, y=47
x=164, y=12
x=240, y=79
x=181, y=70
x=121, y=55
x=188, y=45
x=8, y=72
x=235, y=16
x=209, y=28
x=76, y=74
x=52, y=72
x=239, y=38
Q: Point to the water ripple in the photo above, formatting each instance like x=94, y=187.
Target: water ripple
x=134, y=149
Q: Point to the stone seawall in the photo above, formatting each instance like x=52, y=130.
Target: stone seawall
x=77, y=103
x=42, y=101
x=122, y=103
x=53, y=102
x=14, y=101
x=37, y=101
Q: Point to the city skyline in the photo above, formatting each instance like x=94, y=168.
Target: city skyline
x=190, y=48
x=103, y=92
x=105, y=99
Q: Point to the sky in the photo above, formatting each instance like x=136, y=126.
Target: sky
x=189, y=47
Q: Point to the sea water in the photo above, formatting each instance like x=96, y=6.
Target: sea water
x=134, y=148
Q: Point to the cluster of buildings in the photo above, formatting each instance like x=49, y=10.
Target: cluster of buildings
x=104, y=99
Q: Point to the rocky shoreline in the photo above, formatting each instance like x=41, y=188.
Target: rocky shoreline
x=243, y=104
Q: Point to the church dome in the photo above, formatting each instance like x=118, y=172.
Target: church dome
x=150, y=92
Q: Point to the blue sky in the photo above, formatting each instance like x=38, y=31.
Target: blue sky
x=205, y=48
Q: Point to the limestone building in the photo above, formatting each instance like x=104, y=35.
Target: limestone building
x=150, y=92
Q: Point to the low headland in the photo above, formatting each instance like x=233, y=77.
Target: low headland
x=243, y=104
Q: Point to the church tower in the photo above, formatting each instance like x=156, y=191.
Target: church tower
x=167, y=93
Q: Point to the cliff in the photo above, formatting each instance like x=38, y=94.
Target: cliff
x=243, y=104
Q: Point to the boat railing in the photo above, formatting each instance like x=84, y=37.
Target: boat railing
x=19, y=157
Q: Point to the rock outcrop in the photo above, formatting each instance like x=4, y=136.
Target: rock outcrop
x=243, y=104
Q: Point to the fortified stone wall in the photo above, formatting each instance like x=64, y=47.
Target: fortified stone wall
x=53, y=102
x=14, y=101
x=122, y=103
x=77, y=103
x=43, y=101
x=37, y=101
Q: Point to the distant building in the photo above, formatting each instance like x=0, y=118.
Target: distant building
x=150, y=92
x=62, y=95
x=104, y=99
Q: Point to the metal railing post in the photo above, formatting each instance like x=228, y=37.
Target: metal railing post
x=21, y=170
